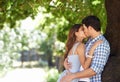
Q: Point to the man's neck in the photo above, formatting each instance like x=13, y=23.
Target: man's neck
x=95, y=35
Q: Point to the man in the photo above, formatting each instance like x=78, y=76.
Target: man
x=92, y=28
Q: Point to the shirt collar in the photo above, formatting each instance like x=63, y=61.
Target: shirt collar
x=95, y=39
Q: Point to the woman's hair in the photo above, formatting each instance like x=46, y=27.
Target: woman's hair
x=71, y=38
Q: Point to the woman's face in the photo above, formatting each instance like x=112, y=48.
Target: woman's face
x=85, y=30
x=80, y=35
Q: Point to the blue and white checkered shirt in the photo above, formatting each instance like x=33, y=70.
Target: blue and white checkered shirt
x=101, y=55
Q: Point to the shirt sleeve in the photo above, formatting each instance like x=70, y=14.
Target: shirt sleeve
x=101, y=55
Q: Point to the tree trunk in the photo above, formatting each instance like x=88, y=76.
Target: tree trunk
x=112, y=69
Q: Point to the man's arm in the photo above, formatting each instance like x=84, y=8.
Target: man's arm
x=101, y=55
x=82, y=74
x=100, y=58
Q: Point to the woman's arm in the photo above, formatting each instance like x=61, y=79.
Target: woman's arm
x=86, y=61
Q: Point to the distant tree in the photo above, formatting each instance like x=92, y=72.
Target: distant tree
x=14, y=40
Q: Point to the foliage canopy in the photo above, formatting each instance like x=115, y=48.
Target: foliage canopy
x=64, y=13
x=57, y=18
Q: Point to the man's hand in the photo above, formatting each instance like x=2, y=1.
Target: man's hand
x=67, y=65
x=67, y=78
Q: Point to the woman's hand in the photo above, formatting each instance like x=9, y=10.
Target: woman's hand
x=67, y=65
x=67, y=78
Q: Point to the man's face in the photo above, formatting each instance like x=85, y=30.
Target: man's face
x=86, y=31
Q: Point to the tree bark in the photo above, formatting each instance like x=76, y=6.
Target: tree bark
x=112, y=69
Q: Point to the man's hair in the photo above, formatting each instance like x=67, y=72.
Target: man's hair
x=92, y=21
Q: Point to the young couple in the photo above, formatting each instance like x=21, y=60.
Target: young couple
x=85, y=62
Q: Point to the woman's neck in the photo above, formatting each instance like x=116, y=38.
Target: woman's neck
x=78, y=40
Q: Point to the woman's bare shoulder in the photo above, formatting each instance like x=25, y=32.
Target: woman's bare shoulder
x=80, y=48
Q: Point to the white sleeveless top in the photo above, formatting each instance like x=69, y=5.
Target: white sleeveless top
x=76, y=66
x=74, y=60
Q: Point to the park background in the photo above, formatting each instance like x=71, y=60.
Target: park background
x=33, y=34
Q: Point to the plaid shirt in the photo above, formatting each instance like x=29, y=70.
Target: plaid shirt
x=101, y=55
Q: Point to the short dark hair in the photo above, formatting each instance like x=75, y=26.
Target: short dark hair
x=93, y=21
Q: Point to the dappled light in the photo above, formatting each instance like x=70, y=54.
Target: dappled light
x=33, y=34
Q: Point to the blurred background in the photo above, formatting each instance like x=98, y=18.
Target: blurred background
x=33, y=34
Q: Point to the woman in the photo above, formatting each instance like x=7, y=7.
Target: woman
x=75, y=52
